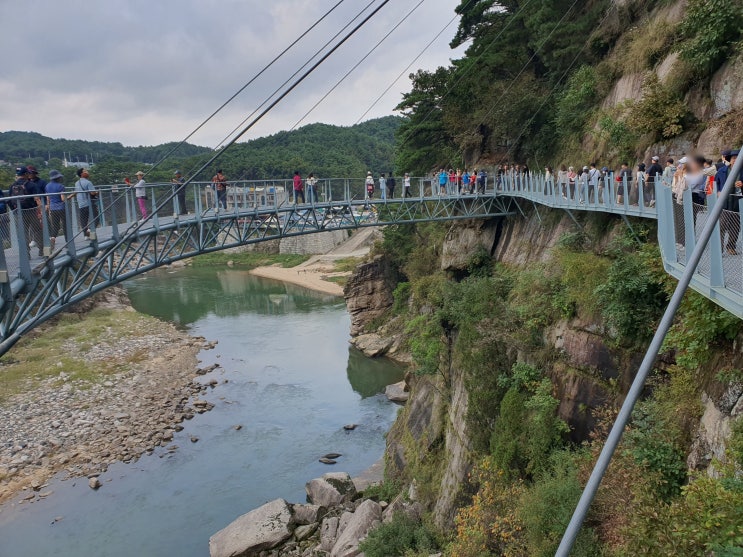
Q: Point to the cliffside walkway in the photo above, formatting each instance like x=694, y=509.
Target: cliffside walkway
x=719, y=275
x=39, y=282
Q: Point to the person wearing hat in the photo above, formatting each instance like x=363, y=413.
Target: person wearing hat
x=37, y=187
x=180, y=192
x=55, y=207
x=653, y=173
x=140, y=192
x=20, y=200
x=369, y=185
x=87, y=201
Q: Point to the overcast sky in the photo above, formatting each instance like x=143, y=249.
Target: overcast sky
x=144, y=72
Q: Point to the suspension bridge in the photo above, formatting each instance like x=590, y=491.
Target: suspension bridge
x=42, y=274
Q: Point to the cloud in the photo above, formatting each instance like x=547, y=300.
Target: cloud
x=144, y=72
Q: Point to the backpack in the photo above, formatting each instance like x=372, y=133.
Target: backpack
x=19, y=188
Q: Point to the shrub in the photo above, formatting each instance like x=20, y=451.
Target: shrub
x=401, y=296
x=489, y=525
x=659, y=112
x=546, y=507
x=397, y=537
x=700, y=324
x=710, y=28
x=527, y=429
x=576, y=103
x=705, y=520
x=634, y=299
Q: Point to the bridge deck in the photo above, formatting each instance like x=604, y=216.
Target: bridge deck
x=197, y=220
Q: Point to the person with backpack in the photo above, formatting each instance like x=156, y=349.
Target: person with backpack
x=391, y=183
x=55, y=207
x=87, y=201
x=22, y=203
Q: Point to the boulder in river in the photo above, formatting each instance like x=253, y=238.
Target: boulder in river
x=332, y=455
x=307, y=514
x=326, y=460
x=331, y=489
x=260, y=529
x=397, y=392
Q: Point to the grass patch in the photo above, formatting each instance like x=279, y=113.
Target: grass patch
x=249, y=260
x=48, y=351
x=347, y=264
x=341, y=280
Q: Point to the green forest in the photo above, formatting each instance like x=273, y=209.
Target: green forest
x=325, y=150
x=531, y=85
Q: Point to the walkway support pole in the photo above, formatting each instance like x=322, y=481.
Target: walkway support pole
x=615, y=435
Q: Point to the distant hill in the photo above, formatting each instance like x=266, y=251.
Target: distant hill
x=31, y=146
x=325, y=150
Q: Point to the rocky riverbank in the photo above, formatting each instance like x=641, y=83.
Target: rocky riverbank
x=336, y=519
x=95, y=399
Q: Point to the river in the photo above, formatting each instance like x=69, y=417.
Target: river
x=292, y=382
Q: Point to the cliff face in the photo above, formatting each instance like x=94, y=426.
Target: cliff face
x=431, y=443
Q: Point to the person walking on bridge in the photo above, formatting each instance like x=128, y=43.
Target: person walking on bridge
x=653, y=173
x=37, y=187
x=298, y=186
x=312, y=188
x=140, y=192
x=383, y=186
x=23, y=207
x=87, y=201
x=406, y=185
x=219, y=182
x=56, y=207
x=443, y=179
x=391, y=183
x=369, y=183
x=180, y=192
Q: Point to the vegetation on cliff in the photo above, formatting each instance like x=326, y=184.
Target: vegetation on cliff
x=493, y=321
x=543, y=74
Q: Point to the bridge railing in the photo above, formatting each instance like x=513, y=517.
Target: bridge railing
x=606, y=192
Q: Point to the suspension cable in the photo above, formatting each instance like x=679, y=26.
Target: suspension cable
x=136, y=226
x=287, y=80
x=356, y=65
x=413, y=61
x=245, y=86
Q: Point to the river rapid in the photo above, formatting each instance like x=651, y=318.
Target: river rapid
x=288, y=381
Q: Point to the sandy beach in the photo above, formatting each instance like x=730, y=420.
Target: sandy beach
x=316, y=271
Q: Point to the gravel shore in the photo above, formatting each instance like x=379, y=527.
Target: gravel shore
x=79, y=426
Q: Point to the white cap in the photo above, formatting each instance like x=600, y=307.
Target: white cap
x=683, y=160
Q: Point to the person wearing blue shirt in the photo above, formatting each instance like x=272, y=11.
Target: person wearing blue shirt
x=443, y=180
x=56, y=206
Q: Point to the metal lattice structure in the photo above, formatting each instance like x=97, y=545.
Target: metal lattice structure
x=184, y=222
x=122, y=246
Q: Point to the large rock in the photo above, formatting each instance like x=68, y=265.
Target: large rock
x=397, y=392
x=308, y=514
x=366, y=517
x=372, y=344
x=329, y=533
x=334, y=488
x=260, y=529
x=368, y=292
